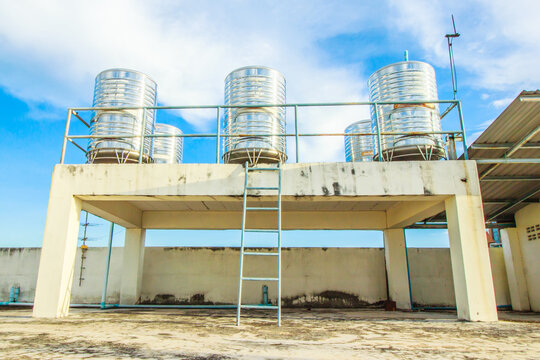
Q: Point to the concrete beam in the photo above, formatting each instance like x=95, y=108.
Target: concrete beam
x=121, y=213
x=424, y=178
x=132, y=266
x=471, y=268
x=396, y=268
x=408, y=213
x=291, y=220
x=517, y=283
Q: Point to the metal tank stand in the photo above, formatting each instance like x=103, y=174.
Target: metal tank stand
x=246, y=209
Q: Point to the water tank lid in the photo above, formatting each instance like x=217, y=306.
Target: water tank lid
x=172, y=128
x=102, y=74
x=254, y=67
x=360, y=122
x=410, y=62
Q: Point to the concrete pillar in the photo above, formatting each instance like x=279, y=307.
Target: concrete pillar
x=471, y=269
x=56, y=266
x=396, y=268
x=519, y=294
x=132, y=266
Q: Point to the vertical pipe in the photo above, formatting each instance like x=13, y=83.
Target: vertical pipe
x=296, y=129
x=406, y=55
x=218, y=133
x=66, y=134
x=452, y=155
x=408, y=271
x=378, y=128
x=143, y=130
x=279, y=247
x=452, y=72
x=462, y=124
x=107, y=268
x=241, y=272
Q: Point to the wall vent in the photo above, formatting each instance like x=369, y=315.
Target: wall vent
x=533, y=232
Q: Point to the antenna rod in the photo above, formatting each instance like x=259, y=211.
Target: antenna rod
x=450, y=38
x=406, y=54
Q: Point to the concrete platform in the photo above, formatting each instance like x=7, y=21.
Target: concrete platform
x=209, y=196
x=375, y=195
x=316, y=334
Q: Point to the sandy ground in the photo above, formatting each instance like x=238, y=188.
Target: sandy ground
x=316, y=334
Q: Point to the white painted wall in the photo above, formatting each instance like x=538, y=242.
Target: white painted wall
x=347, y=275
x=530, y=250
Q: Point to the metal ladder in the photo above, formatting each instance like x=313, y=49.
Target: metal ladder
x=246, y=209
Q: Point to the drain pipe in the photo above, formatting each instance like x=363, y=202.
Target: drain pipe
x=408, y=269
x=107, y=268
x=507, y=306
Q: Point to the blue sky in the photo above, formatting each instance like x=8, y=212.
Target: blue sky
x=51, y=52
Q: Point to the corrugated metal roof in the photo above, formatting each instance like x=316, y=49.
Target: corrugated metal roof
x=515, y=123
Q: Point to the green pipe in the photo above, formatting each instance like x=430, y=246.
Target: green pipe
x=408, y=270
x=187, y=107
x=107, y=268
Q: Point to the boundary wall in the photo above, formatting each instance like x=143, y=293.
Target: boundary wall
x=318, y=277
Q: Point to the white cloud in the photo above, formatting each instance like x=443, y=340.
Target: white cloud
x=498, y=48
x=54, y=50
x=51, y=51
x=500, y=103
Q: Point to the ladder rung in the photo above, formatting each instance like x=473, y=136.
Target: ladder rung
x=259, y=279
x=261, y=230
x=259, y=306
x=263, y=169
x=262, y=253
x=262, y=188
x=262, y=208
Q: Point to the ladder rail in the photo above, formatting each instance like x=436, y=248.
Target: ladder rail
x=243, y=253
x=279, y=248
x=241, y=272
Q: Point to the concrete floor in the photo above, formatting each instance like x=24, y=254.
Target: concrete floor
x=315, y=334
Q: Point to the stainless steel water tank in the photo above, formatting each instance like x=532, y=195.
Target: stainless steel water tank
x=114, y=88
x=357, y=147
x=403, y=81
x=254, y=85
x=167, y=150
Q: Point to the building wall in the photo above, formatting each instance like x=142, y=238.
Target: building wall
x=530, y=249
x=311, y=276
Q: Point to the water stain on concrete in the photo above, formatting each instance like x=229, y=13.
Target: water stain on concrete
x=327, y=299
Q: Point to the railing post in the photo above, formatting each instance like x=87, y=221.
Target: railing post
x=218, y=133
x=296, y=130
x=452, y=155
x=464, y=139
x=378, y=126
x=66, y=134
x=143, y=130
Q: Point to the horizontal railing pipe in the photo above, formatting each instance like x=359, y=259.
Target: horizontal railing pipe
x=291, y=105
x=386, y=133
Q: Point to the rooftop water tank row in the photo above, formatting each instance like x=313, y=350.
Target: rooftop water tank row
x=128, y=88
x=406, y=81
x=254, y=85
x=401, y=82
x=358, y=147
x=246, y=127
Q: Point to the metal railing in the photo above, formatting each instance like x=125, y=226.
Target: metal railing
x=453, y=135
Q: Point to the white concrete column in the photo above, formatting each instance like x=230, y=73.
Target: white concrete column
x=56, y=266
x=132, y=266
x=471, y=269
x=396, y=268
x=519, y=294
